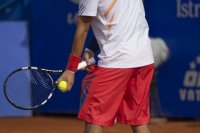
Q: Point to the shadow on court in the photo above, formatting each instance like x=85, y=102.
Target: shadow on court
x=66, y=124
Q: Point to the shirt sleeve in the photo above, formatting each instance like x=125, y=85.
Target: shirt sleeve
x=88, y=7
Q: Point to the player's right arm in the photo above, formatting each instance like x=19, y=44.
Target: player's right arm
x=87, y=11
x=77, y=48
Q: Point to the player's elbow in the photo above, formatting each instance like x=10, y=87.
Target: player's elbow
x=84, y=23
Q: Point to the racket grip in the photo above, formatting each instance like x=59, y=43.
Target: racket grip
x=83, y=64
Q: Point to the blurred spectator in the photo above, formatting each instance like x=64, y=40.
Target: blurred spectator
x=160, y=51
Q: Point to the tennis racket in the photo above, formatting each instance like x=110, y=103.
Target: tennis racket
x=31, y=87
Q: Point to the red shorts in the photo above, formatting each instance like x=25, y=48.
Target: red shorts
x=120, y=94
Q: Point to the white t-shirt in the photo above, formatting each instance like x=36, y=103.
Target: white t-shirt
x=121, y=31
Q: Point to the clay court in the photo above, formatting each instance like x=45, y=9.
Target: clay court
x=69, y=124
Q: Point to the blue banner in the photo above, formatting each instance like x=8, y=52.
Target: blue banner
x=178, y=87
x=14, y=53
x=173, y=17
x=177, y=22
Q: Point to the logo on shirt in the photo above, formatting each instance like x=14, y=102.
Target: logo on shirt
x=81, y=9
x=190, y=91
x=75, y=1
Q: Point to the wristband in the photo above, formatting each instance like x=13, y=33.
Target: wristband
x=73, y=62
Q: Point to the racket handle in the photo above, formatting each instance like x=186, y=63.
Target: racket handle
x=83, y=64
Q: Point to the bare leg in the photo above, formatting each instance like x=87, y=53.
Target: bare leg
x=141, y=129
x=90, y=128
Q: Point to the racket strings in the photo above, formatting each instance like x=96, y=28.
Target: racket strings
x=43, y=81
x=29, y=88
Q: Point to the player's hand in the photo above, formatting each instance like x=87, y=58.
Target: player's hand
x=86, y=56
x=67, y=76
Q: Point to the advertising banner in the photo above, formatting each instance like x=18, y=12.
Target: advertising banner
x=177, y=22
x=14, y=53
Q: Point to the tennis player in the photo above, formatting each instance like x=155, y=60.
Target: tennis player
x=118, y=88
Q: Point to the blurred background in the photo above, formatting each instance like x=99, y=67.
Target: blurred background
x=40, y=33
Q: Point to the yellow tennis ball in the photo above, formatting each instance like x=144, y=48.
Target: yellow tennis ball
x=62, y=85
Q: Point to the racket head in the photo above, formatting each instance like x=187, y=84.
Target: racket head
x=28, y=88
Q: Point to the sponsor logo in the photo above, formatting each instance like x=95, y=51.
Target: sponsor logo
x=188, y=9
x=71, y=18
x=81, y=9
x=190, y=92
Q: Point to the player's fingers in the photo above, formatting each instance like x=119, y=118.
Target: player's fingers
x=87, y=69
x=58, y=80
x=70, y=84
x=86, y=57
x=61, y=78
